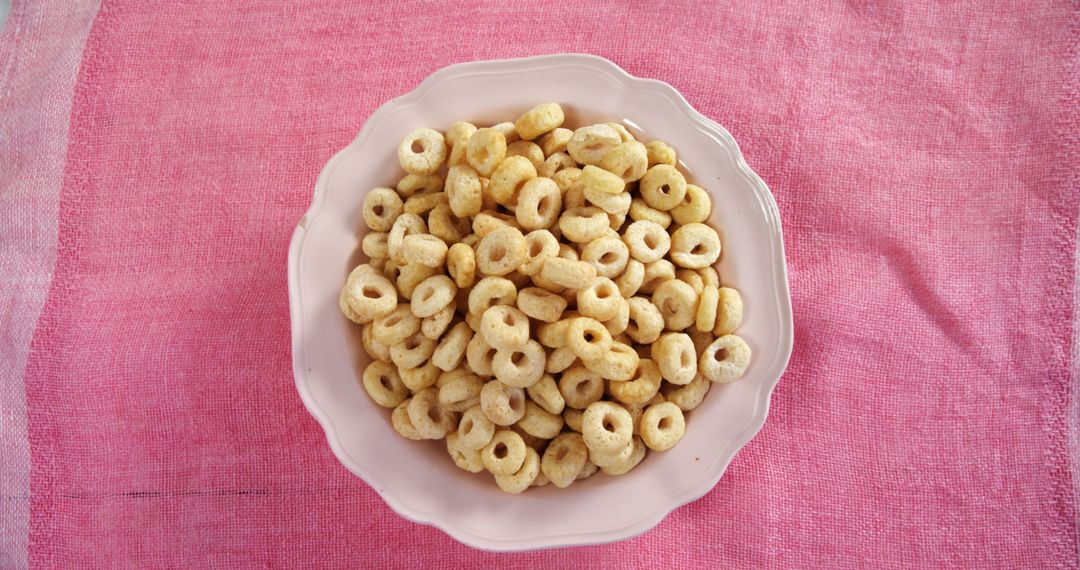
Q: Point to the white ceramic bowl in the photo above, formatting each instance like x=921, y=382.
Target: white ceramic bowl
x=418, y=479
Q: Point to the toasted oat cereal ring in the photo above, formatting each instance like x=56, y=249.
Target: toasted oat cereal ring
x=463, y=191
x=555, y=141
x=545, y=392
x=695, y=246
x=729, y=310
x=642, y=385
x=541, y=304
x=616, y=222
x=381, y=207
x=640, y=211
x=457, y=137
x=504, y=327
x=540, y=119
x=647, y=241
x=573, y=417
x=663, y=187
x=539, y=204
x=460, y=392
x=432, y=295
x=411, y=275
x=554, y=164
x=540, y=423
x=419, y=183
x=421, y=204
x=573, y=197
x=540, y=480
x=401, y=423
x=676, y=356
x=567, y=273
x=588, y=338
x=375, y=349
x=422, y=151
x=677, y=303
x=617, y=324
x=567, y=178
x=451, y=349
x=522, y=366
x=424, y=249
x=580, y=387
x=416, y=379
x=636, y=411
x=624, y=134
x=501, y=251
x=726, y=359
x=489, y=292
x=380, y=263
x=509, y=130
x=383, y=384
x=529, y=150
x=553, y=335
x=405, y=225
x=395, y=326
x=485, y=150
x=607, y=428
x=599, y=180
x=589, y=470
x=371, y=296
x=625, y=466
x=548, y=285
x=646, y=322
x=662, y=426
x=600, y=300
x=618, y=365
x=582, y=225
x=461, y=264
x=475, y=429
x=631, y=278
x=689, y=396
x=656, y=273
x=695, y=206
x=524, y=477
x=374, y=245
x=465, y=458
x=567, y=251
x=444, y=225
x=614, y=205
x=509, y=177
x=705, y=318
x=691, y=278
x=412, y=352
x=660, y=153
x=343, y=304
x=536, y=443
x=540, y=246
x=609, y=255
x=709, y=276
x=429, y=419
x=505, y=453
x=560, y=359
x=479, y=355
x=628, y=160
x=502, y=404
x=588, y=145
x=564, y=459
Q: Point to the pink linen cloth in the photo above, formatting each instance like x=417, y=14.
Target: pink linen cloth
x=923, y=156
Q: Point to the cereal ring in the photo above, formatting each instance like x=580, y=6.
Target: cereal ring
x=607, y=428
x=608, y=255
x=567, y=251
x=383, y=384
x=617, y=324
x=560, y=359
x=371, y=296
x=509, y=130
x=553, y=335
x=695, y=207
x=539, y=120
x=444, y=225
x=567, y=273
x=647, y=241
x=615, y=206
x=582, y=225
x=412, y=352
x=539, y=204
x=374, y=245
x=504, y=327
x=509, y=177
x=545, y=392
x=631, y=278
x=401, y=423
x=502, y=404
x=572, y=417
x=628, y=160
x=475, y=429
x=541, y=480
x=463, y=191
x=555, y=141
x=490, y=292
x=626, y=465
x=588, y=338
x=381, y=207
x=580, y=387
x=726, y=359
x=421, y=204
x=424, y=249
x=691, y=278
x=430, y=420
x=432, y=295
x=660, y=153
x=662, y=426
x=375, y=349
x=451, y=349
x=656, y=273
x=522, y=366
x=505, y=453
x=618, y=365
x=541, y=304
x=564, y=459
x=529, y=150
x=464, y=458
x=640, y=211
x=554, y=164
x=501, y=251
x=695, y=246
x=395, y=326
x=588, y=145
x=422, y=151
x=485, y=150
x=523, y=478
x=343, y=304
x=689, y=396
x=538, y=422
x=419, y=183
x=600, y=180
x=624, y=135
x=600, y=300
x=642, y=385
x=729, y=309
x=567, y=178
x=536, y=443
x=541, y=245
x=461, y=264
x=460, y=393
x=411, y=275
x=646, y=322
x=663, y=187
x=709, y=276
x=705, y=318
x=676, y=356
x=457, y=137
x=416, y=379
x=404, y=225
x=573, y=197
x=677, y=303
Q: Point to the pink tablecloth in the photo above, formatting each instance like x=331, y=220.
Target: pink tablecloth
x=925, y=162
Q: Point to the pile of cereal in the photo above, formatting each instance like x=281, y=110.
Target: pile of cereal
x=543, y=298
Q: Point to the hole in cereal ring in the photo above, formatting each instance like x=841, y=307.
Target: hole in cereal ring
x=435, y=414
x=589, y=336
x=417, y=146
x=583, y=387
x=544, y=206
x=482, y=154
x=516, y=402
x=698, y=249
x=603, y=293
x=412, y=342
x=500, y=450
x=560, y=454
x=535, y=249
x=665, y=422
x=665, y=189
x=384, y=382
x=626, y=172
x=371, y=293
x=393, y=320
x=688, y=198
x=466, y=426
x=608, y=257
x=651, y=241
x=497, y=253
x=684, y=359
x=594, y=147
x=517, y=358
x=608, y=424
x=508, y=319
x=720, y=355
x=428, y=293
x=377, y=210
